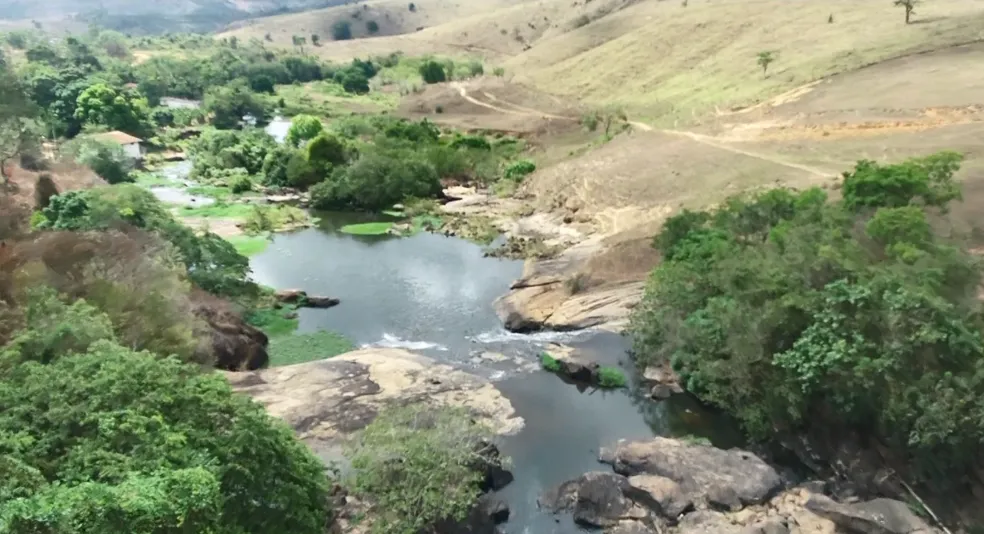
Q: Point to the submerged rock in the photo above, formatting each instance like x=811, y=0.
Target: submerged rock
x=302, y=299
x=328, y=399
x=597, y=499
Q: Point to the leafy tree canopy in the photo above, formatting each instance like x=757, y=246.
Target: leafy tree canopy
x=303, y=128
x=782, y=307
x=106, y=106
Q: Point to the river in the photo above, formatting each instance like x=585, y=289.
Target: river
x=433, y=294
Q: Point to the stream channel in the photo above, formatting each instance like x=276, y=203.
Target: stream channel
x=433, y=295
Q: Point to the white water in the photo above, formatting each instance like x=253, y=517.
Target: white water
x=390, y=341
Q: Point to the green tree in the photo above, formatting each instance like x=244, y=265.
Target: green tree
x=372, y=27
x=301, y=173
x=856, y=308
x=17, y=128
x=106, y=159
x=326, y=151
x=103, y=105
x=229, y=105
x=303, y=128
x=377, y=181
x=353, y=80
x=766, y=58
x=147, y=444
x=433, y=72
x=909, y=5
x=341, y=30
x=315, y=39
x=440, y=453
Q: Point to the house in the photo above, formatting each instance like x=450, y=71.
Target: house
x=131, y=145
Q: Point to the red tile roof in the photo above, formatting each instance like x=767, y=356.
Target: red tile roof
x=117, y=137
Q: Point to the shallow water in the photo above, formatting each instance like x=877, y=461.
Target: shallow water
x=177, y=193
x=433, y=295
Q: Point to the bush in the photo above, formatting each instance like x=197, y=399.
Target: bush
x=300, y=173
x=243, y=184
x=518, y=170
x=275, y=166
x=432, y=72
x=856, y=308
x=104, y=158
x=549, y=363
x=223, y=150
x=611, y=378
x=432, y=454
x=303, y=128
x=353, y=80
x=376, y=181
x=341, y=30
x=145, y=444
x=372, y=27
x=478, y=142
x=498, y=72
x=326, y=151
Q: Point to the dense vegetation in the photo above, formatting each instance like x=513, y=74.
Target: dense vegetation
x=788, y=310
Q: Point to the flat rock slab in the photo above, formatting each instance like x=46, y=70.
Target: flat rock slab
x=721, y=478
x=878, y=516
x=326, y=400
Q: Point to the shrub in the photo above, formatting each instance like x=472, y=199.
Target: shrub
x=300, y=173
x=549, y=363
x=433, y=454
x=341, y=30
x=433, y=72
x=275, y=165
x=147, y=444
x=353, y=81
x=478, y=142
x=303, y=128
x=376, y=181
x=242, y=184
x=106, y=159
x=326, y=150
x=611, y=378
x=518, y=170
x=499, y=72
x=856, y=308
x=372, y=27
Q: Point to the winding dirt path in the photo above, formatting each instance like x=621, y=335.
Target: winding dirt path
x=515, y=109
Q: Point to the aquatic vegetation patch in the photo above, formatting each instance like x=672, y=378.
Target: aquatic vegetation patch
x=249, y=245
x=549, y=363
x=611, y=378
x=371, y=228
x=219, y=210
x=274, y=322
x=300, y=348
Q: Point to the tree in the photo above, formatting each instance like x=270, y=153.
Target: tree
x=301, y=173
x=315, y=39
x=17, y=128
x=376, y=181
x=353, y=80
x=104, y=158
x=275, y=166
x=765, y=59
x=102, y=105
x=327, y=150
x=229, y=105
x=341, y=30
x=412, y=7
x=432, y=72
x=440, y=454
x=303, y=128
x=372, y=27
x=909, y=5
x=145, y=444
x=299, y=41
x=831, y=305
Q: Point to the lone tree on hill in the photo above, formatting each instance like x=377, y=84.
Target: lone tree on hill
x=341, y=30
x=765, y=59
x=299, y=41
x=908, y=5
x=412, y=7
x=315, y=39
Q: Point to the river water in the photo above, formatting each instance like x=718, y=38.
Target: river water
x=433, y=294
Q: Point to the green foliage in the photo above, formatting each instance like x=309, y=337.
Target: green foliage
x=353, y=80
x=303, y=128
x=928, y=180
x=372, y=27
x=229, y=104
x=611, y=378
x=145, y=444
x=376, y=181
x=265, y=219
x=243, y=184
x=518, y=170
x=102, y=105
x=341, y=30
x=300, y=348
x=211, y=262
x=105, y=158
x=301, y=173
x=275, y=166
x=856, y=308
x=498, y=72
x=549, y=363
x=764, y=59
x=431, y=454
x=326, y=151
x=273, y=322
x=433, y=72
x=217, y=151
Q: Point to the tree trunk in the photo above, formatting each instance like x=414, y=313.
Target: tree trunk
x=908, y=13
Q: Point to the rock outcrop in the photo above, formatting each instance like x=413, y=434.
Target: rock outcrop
x=302, y=299
x=328, y=399
x=574, y=366
x=235, y=345
x=878, y=516
x=707, y=475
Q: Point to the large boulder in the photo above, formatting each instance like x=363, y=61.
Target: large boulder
x=302, y=299
x=327, y=400
x=597, y=499
x=707, y=475
x=235, y=345
x=878, y=516
x=660, y=494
